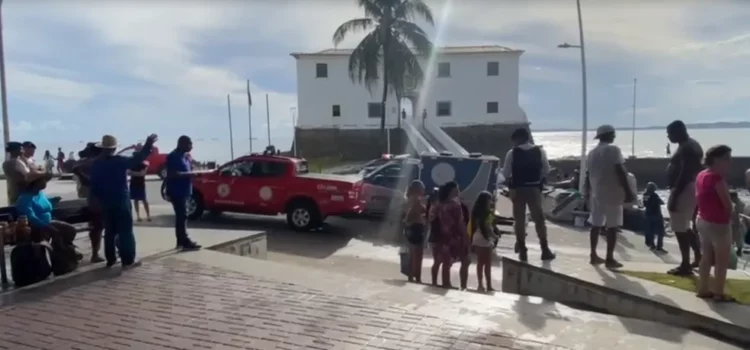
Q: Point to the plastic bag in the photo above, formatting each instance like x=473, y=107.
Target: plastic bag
x=733, y=258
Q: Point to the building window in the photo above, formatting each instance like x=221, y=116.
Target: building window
x=336, y=110
x=374, y=110
x=444, y=109
x=321, y=70
x=492, y=107
x=444, y=70
x=493, y=69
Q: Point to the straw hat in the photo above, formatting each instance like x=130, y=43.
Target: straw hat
x=108, y=142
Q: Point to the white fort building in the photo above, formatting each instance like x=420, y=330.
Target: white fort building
x=469, y=97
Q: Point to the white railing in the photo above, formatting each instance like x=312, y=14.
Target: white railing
x=441, y=136
x=421, y=145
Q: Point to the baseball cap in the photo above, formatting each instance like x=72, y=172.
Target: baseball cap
x=604, y=129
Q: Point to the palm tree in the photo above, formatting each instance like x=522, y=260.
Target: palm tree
x=389, y=43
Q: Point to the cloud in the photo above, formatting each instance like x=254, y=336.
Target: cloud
x=167, y=66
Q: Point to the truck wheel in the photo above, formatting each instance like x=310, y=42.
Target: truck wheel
x=303, y=215
x=163, y=172
x=195, y=206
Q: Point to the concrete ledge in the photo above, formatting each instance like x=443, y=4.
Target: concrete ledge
x=524, y=279
x=251, y=245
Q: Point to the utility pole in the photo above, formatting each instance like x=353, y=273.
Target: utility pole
x=632, y=142
x=231, y=138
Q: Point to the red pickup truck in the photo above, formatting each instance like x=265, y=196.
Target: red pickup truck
x=266, y=184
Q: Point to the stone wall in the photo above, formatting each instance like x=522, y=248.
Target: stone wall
x=347, y=144
x=485, y=139
x=654, y=169
x=366, y=144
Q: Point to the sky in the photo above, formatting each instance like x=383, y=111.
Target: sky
x=77, y=69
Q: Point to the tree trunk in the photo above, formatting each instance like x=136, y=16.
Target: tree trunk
x=400, y=115
x=385, y=95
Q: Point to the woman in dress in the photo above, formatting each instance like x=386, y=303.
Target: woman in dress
x=714, y=223
x=453, y=242
x=414, y=220
x=49, y=162
x=138, y=190
x=483, y=238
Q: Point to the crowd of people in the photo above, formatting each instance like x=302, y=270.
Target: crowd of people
x=703, y=211
x=103, y=181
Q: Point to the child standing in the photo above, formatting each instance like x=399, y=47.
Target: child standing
x=138, y=190
x=483, y=238
x=415, y=221
x=654, y=218
x=738, y=226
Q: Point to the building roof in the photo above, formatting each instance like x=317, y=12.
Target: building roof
x=446, y=50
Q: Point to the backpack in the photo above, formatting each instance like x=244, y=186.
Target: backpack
x=63, y=256
x=29, y=263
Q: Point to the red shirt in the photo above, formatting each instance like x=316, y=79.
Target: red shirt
x=710, y=207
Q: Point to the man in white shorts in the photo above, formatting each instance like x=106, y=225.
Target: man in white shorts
x=606, y=190
x=684, y=166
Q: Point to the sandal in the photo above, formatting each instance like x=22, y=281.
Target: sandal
x=723, y=298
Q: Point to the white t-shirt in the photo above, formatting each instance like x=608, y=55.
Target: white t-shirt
x=601, y=162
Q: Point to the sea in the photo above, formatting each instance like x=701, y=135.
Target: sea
x=648, y=143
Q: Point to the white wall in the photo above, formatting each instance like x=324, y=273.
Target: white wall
x=468, y=89
x=316, y=97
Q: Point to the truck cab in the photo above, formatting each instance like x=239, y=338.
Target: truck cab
x=270, y=184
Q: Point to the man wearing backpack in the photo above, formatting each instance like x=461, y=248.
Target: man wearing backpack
x=525, y=168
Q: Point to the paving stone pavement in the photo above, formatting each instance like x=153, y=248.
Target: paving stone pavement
x=173, y=304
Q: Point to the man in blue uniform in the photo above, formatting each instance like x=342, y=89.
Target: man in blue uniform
x=109, y=187
x=179, y=189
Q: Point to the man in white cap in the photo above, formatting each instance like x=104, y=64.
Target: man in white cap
x=109, y=187
x=606, y=190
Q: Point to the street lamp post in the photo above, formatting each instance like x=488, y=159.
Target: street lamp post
x=3, y=93
x=584, y=127
x=293, y=111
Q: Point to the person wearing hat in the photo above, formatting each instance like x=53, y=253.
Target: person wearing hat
x=684, y=165
x=606, y=191
x=109, y=187
x=525, y=169
x=81, y=173
x=15, y=170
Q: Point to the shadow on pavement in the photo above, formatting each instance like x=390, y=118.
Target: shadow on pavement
x=321, y=243
x=619, y=282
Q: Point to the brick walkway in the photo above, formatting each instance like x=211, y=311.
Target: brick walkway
x=173, y=304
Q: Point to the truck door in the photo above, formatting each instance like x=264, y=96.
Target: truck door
x=388, y=186
x=267, y=190
x=229, y=185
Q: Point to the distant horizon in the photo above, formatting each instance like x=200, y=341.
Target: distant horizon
x=711, y=125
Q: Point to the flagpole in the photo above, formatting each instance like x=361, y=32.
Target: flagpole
x=231, y=140
x=250, y=116
x=268, y=121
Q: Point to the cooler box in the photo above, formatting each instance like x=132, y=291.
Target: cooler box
x=473, y=174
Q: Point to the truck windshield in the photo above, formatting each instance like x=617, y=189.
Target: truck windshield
x=301, y=167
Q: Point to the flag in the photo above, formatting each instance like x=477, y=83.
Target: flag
x=249, y=98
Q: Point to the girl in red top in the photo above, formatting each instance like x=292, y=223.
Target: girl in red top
x=452, y=242
x=714, y=222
